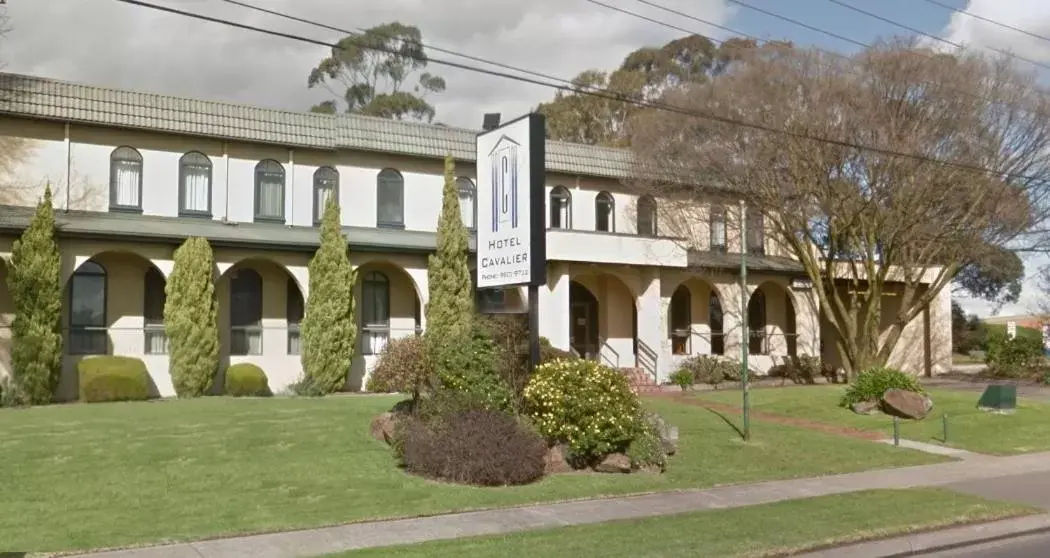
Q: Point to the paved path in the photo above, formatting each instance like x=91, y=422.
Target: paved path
x=384, y=533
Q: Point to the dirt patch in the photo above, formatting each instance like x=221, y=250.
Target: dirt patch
x=781, y=419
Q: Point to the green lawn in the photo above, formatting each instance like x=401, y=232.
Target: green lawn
x=108, y=475
x=968, y=427
x=783, y=527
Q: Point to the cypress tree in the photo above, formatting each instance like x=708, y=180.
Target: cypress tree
x=35, y=284
x=328, y=328
x=191, y=319
x=451, y=306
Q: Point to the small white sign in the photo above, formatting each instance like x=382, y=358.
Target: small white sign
x=510, y=242
x=801, y=284
x=1011, y=329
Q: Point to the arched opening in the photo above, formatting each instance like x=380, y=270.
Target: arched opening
x=375, y=312
x=771, y=321
x=583, y=315
x=681, y=321
x=326, y=187
x=154, y=298
x=646, y=216
x=388, y=306
x=260, y=308
x=560, y=206
x=390, y=199
x=88, y=329
x=756, y=324
x=246, y=311
x=465, y=191
x=716, y=319
x=604, y=213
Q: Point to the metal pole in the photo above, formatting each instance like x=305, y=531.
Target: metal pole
x=896, y=431
x=534, y=327
x=944, y=425
x=746, y=335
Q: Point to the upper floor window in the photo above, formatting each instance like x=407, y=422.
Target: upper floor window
x=465, y=190
x=646, y=216
x=195, y=184
x=269, y=191
x=125, y=179
x=756, y=234
x=718, y=228
x=560, y=208
x=87, y=310
x=390, y=199
x=604, y=217
x=326, y=187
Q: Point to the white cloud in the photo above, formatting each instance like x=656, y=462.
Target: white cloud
x=115, y=44
x=1030, y=15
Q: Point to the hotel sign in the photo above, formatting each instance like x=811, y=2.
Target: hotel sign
x=510, y=200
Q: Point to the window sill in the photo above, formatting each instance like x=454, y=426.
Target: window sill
x=271, y=220
x=124, y=209
x=195, y=214
x=395, y=226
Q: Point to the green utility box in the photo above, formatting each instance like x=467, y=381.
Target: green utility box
x=999, y=397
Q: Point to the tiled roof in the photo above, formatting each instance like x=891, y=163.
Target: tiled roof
x=35, y=97
x=94, y=224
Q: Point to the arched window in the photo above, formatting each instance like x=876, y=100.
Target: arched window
x=125, y=179
x=87, y=310
x=756, y=323
x=375, y=312
x=269, y=191
x=714, y=316
x=154, y=297
x=246, y=312
x=195, y=184
x=646, y=216
x=681, y=320
x=604, y=213
x=560, y=208
x=756, y=234
x=718, y=228
x=390, y=199
x=465, y=189
x=294, y=310
x=326, y=187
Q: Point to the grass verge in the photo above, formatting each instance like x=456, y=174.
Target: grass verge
x=762, y=530
x=969, y=428
x=80, y=477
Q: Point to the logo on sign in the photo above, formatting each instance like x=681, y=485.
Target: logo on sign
x=503, y=160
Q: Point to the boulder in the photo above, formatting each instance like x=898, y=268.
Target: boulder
x=555, y=462
x=906, y=404
x=865, y=407
x=668, y=434
x=614, y=463
x=383, y=427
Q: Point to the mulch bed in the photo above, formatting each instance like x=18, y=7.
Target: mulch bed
x=779, y=419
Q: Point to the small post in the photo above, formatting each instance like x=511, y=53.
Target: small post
x=534, y=327
x=896, y=432
x=944, y=426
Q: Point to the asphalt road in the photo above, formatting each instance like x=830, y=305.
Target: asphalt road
x=1034, y=546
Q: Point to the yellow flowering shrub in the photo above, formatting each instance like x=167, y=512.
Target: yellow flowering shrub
x=585, y=405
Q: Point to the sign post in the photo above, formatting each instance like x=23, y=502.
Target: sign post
x=511, y=228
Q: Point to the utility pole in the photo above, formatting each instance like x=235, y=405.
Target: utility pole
x=746, y=334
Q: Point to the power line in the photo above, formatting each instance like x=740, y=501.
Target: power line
x=931, y=36
x=989, y=20
x=594, y=92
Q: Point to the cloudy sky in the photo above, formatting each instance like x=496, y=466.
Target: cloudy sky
x=105, y=42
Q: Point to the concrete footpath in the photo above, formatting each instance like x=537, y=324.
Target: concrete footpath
x=315, y=542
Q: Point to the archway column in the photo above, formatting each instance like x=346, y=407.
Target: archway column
x=554, y=306
x=732, y=320
x=807, y=321
x=652, y=320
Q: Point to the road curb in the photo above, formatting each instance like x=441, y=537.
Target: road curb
x=941, y=540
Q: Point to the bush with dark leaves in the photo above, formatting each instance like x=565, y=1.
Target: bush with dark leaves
x=479, y=447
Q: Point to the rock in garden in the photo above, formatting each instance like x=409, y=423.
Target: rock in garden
x=668, y=434
x=865, y=407
x=383, y=426
x=554, y=462
x=906, y=404
x=614, y=463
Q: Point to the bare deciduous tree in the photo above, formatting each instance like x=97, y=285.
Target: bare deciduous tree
x=853, y=207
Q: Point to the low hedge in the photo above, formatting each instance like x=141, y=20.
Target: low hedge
x=247, y=380
x=113, y=378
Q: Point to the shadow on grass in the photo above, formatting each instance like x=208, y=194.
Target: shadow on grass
x=727, y=420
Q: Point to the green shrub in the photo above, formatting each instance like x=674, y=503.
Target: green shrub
x=711, y=370
x=12, y=395
x=646, y=449
x=113, y=378
x=307, y=387
x=870, y=385
x=404, y=366
x=585, y=405
x=682, y=378
x=247, y=380
x=1013, y=357
x=469, y=366
x=191, y=319
x=510, y=337
x=479, y=447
